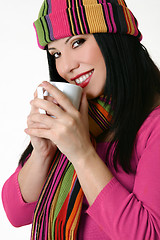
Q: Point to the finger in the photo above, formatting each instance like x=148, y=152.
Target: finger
x=32, y=124
x=35, y=94
x=50, y=107
x=60, y=97
x=34, y=109
x=51, y=99
x=42, y=120
x=41, y=133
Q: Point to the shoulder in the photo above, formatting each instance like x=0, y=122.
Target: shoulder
x=149, y=132
x=151, y=123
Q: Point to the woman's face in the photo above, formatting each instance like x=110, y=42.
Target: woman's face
x=79, y=61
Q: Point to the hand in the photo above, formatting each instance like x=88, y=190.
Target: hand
x=69, y=129
x=43, y=147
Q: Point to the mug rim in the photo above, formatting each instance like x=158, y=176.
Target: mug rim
x=65, y=83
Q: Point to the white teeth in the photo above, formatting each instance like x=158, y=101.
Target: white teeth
x=77, y=81
x=83, y=78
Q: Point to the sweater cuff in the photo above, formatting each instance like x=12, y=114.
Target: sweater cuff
x=108, y=206
x=18, y=211
x=19, y=194
x=101, y=196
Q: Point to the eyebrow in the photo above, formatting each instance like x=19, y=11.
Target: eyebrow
x=67, y=40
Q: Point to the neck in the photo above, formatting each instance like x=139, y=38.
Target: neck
x=106, y=136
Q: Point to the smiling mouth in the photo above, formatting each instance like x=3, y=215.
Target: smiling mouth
x=83, y=77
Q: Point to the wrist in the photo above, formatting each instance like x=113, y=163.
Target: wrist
x=42, y=158
x=85, y=158
x=93, y=175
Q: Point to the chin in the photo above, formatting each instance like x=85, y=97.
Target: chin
x=94, y=91
x=92, y=96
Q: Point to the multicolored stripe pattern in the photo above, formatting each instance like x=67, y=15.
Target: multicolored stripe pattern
x=58, y=210
x=61, y=18
x=99, y=115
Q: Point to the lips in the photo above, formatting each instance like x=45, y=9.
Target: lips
x=83, y=79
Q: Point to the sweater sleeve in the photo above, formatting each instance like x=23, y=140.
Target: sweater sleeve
x=17, y=210
x=133, y=215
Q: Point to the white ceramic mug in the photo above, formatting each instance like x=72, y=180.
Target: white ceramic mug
x=73, y=92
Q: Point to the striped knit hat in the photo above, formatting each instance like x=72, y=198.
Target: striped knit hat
x=63, y=18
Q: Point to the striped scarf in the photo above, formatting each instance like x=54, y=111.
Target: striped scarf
x=58, y=210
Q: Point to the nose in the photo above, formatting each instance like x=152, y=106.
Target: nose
x=66, y=64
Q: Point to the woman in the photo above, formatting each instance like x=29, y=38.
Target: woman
x=93, y=173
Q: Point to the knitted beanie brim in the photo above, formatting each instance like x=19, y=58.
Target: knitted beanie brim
x=60, y=19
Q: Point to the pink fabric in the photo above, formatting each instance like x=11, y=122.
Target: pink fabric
x=18, y=212
x=129, y=205
x=112, y=17
x=75, y=20
x=60, y=25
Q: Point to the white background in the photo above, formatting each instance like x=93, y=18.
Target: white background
x=23, y=66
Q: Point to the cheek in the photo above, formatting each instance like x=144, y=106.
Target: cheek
x=94, y=57
x=58, y=68
x=90, y=56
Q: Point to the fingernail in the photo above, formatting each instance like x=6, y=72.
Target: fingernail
x=26, y=130
x=44, y=83
x=54, y=101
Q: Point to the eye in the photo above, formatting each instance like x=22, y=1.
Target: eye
x=78, y=43
x=56, y=55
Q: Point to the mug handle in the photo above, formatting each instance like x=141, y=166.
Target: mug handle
x=40, y=94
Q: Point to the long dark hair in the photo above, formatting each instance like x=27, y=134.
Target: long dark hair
x=132, y=82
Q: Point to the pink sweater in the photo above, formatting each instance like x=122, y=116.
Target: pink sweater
x=129, y=205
